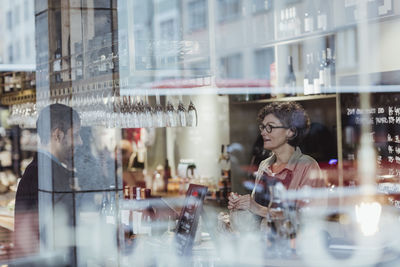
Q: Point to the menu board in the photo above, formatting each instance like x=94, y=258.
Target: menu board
x=384, y=121
x=189, y=219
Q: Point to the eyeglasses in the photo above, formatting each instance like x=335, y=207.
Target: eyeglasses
x=269, y=127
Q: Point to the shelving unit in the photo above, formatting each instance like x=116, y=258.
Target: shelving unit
x=291, y=98
x=343, y=17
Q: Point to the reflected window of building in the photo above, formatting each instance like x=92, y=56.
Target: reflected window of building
x=263, y=58
x=27, y=9
x=197, y=15
x=17, y=50
x=229, y=10
x=200, y=68
x=167, y=29
x=27, y=47
x=16, y=16
x=9, y=20
x=10, y=54
x=232, y=67
x=261, y=5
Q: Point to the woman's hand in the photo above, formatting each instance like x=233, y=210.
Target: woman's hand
x=232, y=199
x=239, y=202
x=246, y=202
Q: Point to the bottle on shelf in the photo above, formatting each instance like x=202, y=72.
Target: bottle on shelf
x=308, y=19
x=290, y=79
x=330, y=68
x=308, y=77
x=138, y=195
x=322, y=74
x=289, y=24
x=290, y=21
x=18, y=84
x=220, y=181
x=297, y=21
x=322, y=16
x=225, y=180
x=8, y=84
x=283, y=23
x=167, y=175
x=316, y=81
x=57, y=64
x=126, y=192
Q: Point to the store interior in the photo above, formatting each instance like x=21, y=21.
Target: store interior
x=168, y=94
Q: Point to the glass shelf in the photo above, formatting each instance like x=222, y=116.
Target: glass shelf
x=290, y=98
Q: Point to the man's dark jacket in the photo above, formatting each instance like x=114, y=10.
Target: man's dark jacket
x=56, y=178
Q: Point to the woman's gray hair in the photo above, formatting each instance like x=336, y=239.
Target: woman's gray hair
x=291, y=115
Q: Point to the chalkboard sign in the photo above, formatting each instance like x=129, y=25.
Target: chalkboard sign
x=189, y=219
x=384, y=121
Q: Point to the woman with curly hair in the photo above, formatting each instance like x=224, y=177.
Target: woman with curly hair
x=283, y=126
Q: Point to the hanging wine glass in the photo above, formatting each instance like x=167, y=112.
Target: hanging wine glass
x=118, y=114
x=181, y=113
x=148, y=113
x=125, y=112
x=171, y=115
x=192, y=118
x=133, y=115
x=110, y=110
x=104, y=120
x=99, y=109
x=141, y=112
x=159, y=115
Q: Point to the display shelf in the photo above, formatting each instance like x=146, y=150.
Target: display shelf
x=321, y=34
x=291, y=98
x=19, y=97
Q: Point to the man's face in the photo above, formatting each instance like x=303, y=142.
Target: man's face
x=71, y=139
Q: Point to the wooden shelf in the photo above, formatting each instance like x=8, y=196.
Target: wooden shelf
x=291, y=98
x=23, y=96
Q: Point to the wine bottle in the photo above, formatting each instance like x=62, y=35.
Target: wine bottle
x=297, y=22
x=7, y=84
x=322, y=16
x=322, y=75
x=309, y=17
x=283, y=23
x=290, y=21
x=290, y=79
x=307, y=76
x=316, y=82
x=225, y=180
x=330, y=68
x=167, y=175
